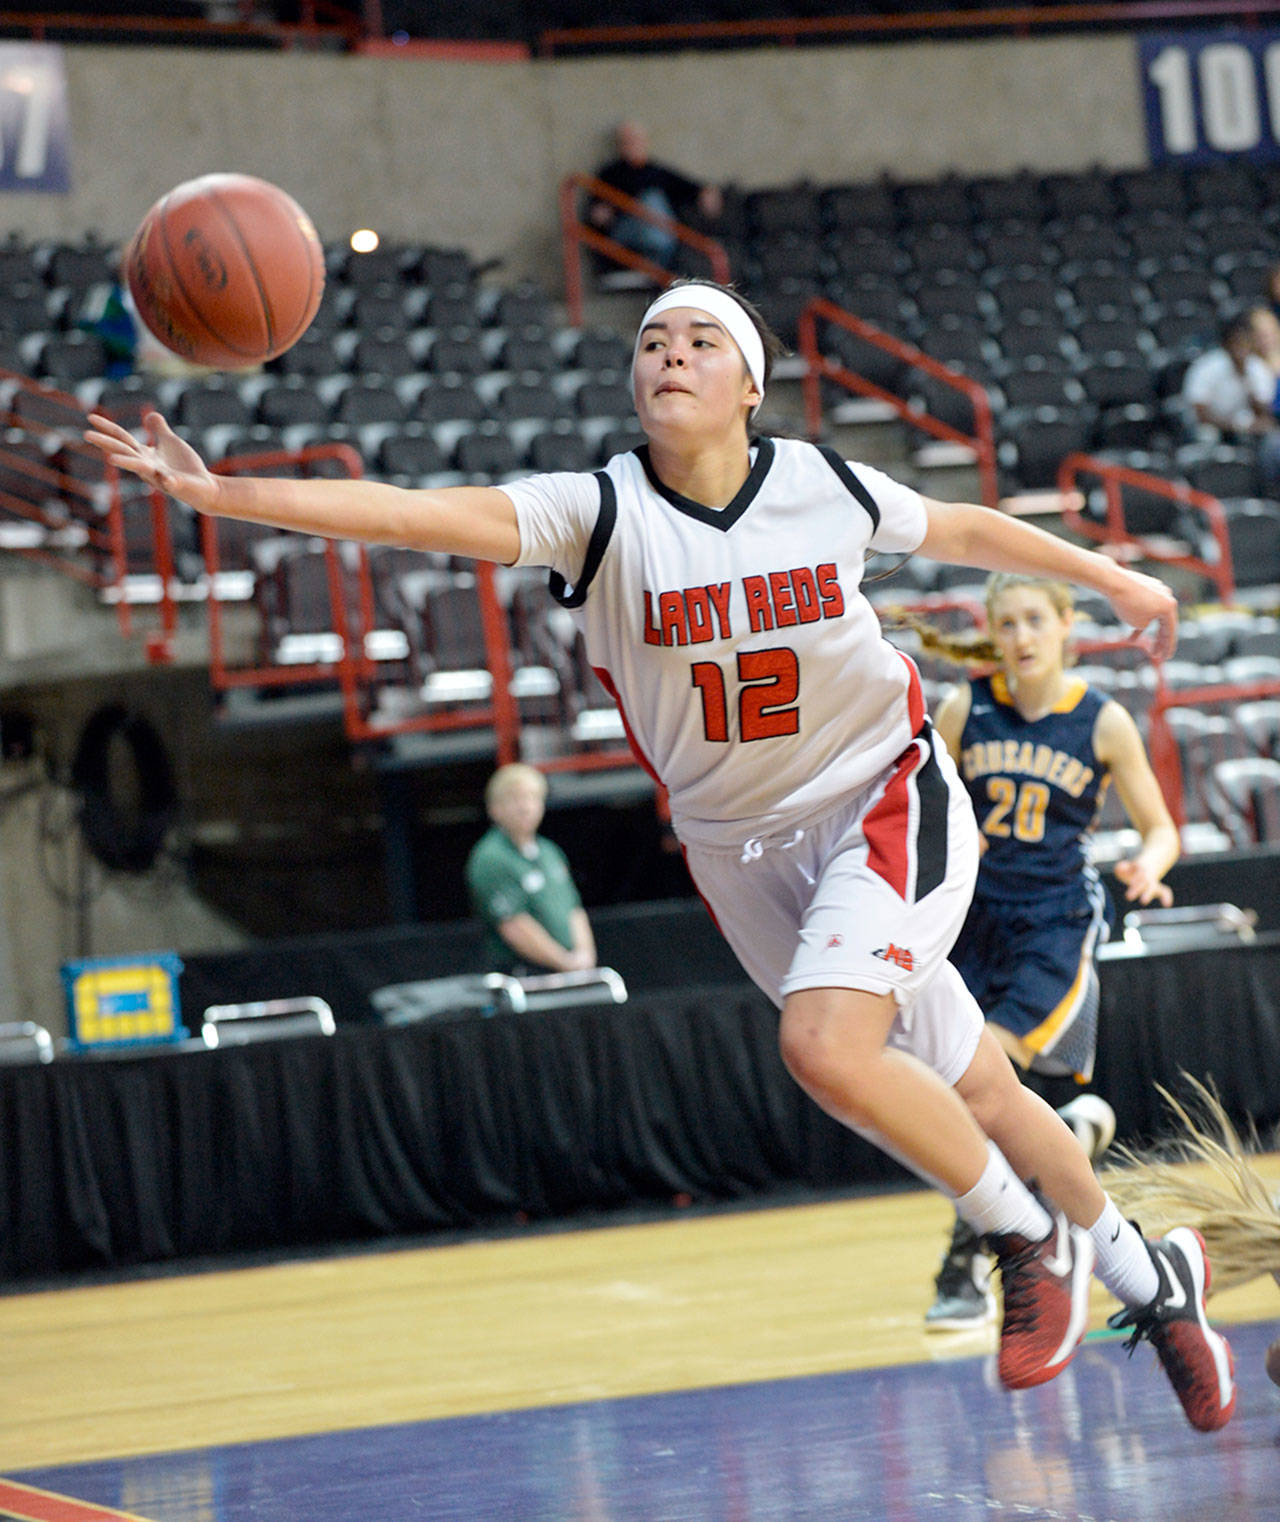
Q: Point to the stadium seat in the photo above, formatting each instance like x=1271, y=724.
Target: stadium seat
x=368, y=401
x=1253, y=528
x=68, y=359
x=601, y=349
x=1035, y=443
x=554, y=449
x=449, y=398
x=850, y=208
x=290, y=405
x=1245, y=794
x=1260, y=722
x=411, y=455
x=486, y=452
x=529, y=349
x=458, y=351
x=451, y=306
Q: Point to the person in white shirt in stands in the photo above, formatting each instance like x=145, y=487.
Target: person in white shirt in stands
x=1229, y=393
x=716, y=576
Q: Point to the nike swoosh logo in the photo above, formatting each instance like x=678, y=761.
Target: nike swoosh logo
x=1177, y=1296
x=1060, y=1261
x=1115, y=1235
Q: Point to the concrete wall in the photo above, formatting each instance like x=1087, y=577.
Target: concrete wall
x=471, y=153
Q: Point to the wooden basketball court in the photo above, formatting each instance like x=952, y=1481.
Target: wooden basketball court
x=739, y=1365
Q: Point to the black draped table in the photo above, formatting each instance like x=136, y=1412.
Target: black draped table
x=489, y=1120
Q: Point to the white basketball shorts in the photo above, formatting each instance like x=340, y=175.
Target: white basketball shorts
x=870, y=896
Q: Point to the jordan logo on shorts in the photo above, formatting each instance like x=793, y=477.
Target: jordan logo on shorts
x=898, y=955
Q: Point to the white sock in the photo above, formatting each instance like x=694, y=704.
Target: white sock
x=1000, y=1202
x=1124, y=1265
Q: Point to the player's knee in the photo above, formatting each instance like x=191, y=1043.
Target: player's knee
x=989, y=1084
x=819, y=1055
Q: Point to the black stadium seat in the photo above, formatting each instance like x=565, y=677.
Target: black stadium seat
x=487, y=452
x=556, y=450
x=286, y=406
x=411, y=454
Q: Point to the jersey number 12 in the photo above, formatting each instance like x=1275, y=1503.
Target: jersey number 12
x=769, y=686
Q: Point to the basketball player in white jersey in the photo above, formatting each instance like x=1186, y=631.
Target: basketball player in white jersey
x=716, y=577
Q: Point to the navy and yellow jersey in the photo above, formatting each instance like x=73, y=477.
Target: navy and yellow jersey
x=1037, y=787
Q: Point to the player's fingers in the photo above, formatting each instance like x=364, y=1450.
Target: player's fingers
x=159, y=425
x=108, y=427
x=1167, y=633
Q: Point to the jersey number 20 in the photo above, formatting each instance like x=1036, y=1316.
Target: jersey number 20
x=770, y=685
x=1028, y=804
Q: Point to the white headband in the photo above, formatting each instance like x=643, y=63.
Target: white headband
x=728, y=312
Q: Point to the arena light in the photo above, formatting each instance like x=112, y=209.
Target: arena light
x=364, y=240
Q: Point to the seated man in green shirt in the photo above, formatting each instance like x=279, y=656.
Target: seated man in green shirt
x=520, y=884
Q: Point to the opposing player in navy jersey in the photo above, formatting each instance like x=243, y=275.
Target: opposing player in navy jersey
x=1037, y=749
x=716, y=577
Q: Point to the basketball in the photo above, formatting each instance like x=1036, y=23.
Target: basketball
x=226, y=271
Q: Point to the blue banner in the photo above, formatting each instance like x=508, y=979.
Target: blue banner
x=34, y=127
x=1211, y=95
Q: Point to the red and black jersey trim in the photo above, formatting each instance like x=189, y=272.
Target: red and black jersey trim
x=849, y=480
x=906, y=831
x=606, y=520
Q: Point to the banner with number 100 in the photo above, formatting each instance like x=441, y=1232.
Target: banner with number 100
x=1209, y=95
x=34, y=130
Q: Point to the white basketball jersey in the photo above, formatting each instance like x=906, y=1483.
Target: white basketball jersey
x=751, y=672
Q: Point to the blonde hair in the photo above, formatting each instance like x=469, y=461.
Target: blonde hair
x=977, y=648
x=1203, y=1178
x=511, y=776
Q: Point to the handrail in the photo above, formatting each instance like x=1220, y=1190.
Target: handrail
x=819, y=367
x=308, y=29
x=575, y=235
x=1114, y=476
x=102, y=525
x=357, y=674
x=224, y=677
x=789, y=31
x=1166, y=758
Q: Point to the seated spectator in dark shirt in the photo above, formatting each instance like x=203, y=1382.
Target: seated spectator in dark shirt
x=657, y=186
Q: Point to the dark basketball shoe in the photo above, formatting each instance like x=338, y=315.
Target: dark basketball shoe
x=1197, y=1360
x=962, y=1298
x=1046, y=1301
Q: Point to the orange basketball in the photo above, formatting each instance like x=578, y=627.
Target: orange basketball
x=226, y=271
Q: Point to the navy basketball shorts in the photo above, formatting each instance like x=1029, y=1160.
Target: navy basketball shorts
x=870, y=896
x=1031, y=969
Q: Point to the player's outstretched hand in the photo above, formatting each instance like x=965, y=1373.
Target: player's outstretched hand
x=167, y=462
x=1141, y=600
x=1141, y=884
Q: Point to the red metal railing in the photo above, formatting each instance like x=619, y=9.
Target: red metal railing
x=318, y=22
x=74, y=502
x=820, y=367
x=791, y=30
x=1166, y=757
x=577, y=234
x=353, y=618
x=1114, y=531
x=224, y=675
x=360, y=680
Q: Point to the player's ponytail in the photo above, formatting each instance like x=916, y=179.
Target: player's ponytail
x=968, y=648
x=975, y=647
